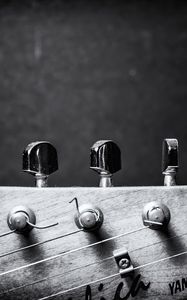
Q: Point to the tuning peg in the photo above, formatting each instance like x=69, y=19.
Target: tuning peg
x=22, y=219
x=88, y=217
x=40, y=160
x=105, y=158
x=156, y=215
x=170, y=163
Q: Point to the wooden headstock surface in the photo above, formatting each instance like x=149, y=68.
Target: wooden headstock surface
x=65, y=267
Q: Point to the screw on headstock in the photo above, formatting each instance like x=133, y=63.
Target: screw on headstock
x=124, y=263
x=170, y=162
x=40, y=160
x=105, y=158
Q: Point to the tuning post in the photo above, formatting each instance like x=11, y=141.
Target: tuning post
x=87, y=216
x=40, y=159
x=170, y=163
x=156, y=215
x=105, y=159
x=22, y=219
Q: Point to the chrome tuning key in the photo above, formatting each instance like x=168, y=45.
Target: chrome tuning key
x=170, y=162
x=87, y=216
x=22, y=219
x=40, y=160
x=105, y=158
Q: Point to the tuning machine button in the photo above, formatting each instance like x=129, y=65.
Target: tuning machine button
x=170, y=163
x=105, y=158
x=40, y=160
x=22, y=219
x=156, y=215
x=88, y=217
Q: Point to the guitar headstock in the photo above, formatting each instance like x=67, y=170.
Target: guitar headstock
x=95, y=243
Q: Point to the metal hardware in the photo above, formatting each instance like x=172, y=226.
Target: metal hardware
x=156, y=215
x=105, y=158
x=88, y=217
x=123, y=261
x=170, y=163
x=40, y=160
x=22, y=219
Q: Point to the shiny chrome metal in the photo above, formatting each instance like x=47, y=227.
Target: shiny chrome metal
x=41, y=227
x=123, y=261
x=105, y=179
x=87, y=217
x=22, y=219
x=156, y=215
x=170, y=162
x=40, y=159
x=41, y=181
x=17, y=219
x=105, y=159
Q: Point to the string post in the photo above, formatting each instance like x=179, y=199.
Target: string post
x=156, y=215
x=87, y=217
x=22, y=219
x=105, y=159
x=40, y=160
x=170, y=162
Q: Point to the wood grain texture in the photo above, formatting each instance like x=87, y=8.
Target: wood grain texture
x=122, y=208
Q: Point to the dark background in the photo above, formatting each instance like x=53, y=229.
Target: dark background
x=74, y=72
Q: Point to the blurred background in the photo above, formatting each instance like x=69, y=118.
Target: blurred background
x=74, y=72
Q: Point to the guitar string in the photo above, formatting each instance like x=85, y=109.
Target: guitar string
x=85, y=266
x=72, y=251
x=111, y=276
x=40, y=243
x=53, y=276
x=7, y=233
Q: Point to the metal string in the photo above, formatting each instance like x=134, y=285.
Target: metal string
x=99, y=261
x=160, y=242
x=41, y=227
x=71, y=251
x=39, y=243
x=112, y=276
x=7, y=233
x=53, y=276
